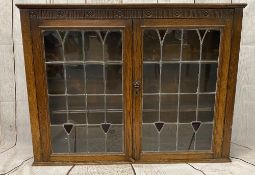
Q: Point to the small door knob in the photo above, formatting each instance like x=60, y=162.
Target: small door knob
x=137, y=86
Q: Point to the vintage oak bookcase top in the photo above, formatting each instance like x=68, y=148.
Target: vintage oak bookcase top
x=131, y=83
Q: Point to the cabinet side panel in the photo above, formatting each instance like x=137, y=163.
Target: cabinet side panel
x=31, y=88
x=222, y=89
x=232, y=77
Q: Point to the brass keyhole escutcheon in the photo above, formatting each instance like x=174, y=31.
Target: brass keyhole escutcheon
x=137, y=86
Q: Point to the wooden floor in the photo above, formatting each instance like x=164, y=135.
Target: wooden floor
x=21, y=157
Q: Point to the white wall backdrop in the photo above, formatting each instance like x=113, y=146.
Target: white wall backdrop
x=13, y=95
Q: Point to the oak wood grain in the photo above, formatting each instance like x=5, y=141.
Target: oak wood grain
x=31, y=87
x=132, y=19
x=232, y=78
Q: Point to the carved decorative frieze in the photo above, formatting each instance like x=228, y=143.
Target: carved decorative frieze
x=129, y=13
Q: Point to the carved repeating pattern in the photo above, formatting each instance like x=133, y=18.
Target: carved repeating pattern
x=129, y=13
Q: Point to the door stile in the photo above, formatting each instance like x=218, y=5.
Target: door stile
x=137, y=88
x=127, y=75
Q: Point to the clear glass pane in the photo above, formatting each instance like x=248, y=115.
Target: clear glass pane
x=172, y=45
x=150, y=117
x=76, y=102
x=169, y=116
x=58, y=117
x=94, y=79
x=168, y=138
x=187, y=116
x=205, y=116
x=55, y=79
x=188, y=102
x=206, y=101
x=75, y=79
x=114, y=79
x=53, y=48
x=96, y=118
x=208, y=77
x=57, y=103
x=93, y=46
x=114, y=102
x=114, y=117
x=150, y=102
x=113, y=46
x=189, y=77
x=151, y=45
x=150, y=137
x=185, y=137
x=81, y=139
x=77, y=117
x=204, y=137
x=96, y=139
x=170, y=78
x=151, y=78
x=95, y=102
x=73, y=46
x=59, y=139
x=114, y=140
x=191, y=45
x=169, y=102
x=211, y=45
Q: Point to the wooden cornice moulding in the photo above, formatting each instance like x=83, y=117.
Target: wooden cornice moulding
x=130, y=11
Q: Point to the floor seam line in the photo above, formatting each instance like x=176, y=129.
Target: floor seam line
x=196, y=168
x=133, y=169
x=68, y=172
x=16, y=167
x=245, y=161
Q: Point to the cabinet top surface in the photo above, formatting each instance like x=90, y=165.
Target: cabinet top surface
x=103, y=6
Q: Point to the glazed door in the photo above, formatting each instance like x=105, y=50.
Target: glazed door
x=178, y=68
x=87, y=100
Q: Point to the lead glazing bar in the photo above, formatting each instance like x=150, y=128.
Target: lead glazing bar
x=201, y=39
x=85, y=87
x=179, y=91
x=84, y=62
x=182, y=93
x=65, y=82
x=172, y=62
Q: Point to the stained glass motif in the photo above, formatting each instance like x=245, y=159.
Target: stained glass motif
x=159, y=125
x=179, y=87
x=85, y=90
x=105, y=127
x=68, y=128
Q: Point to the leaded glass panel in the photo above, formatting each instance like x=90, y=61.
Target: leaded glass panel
x=179, y=86
x=85, y=90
